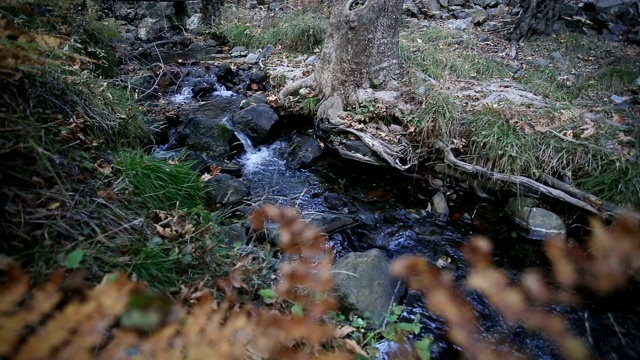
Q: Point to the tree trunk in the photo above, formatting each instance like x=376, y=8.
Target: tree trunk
x=536, y=18
x=361, y=51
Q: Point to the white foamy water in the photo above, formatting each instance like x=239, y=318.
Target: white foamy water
x=263, y=159
x=183, y=97
x=222, y=91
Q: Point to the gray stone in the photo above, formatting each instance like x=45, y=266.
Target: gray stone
x=194, y=21
x=196, y=46
x=479, y=16
x=203, y=129
x=543, y=224
x=252, y=59
x=568, y=9
x=513, y=68
x=237, y=51
x=481, y=3
x=439, y=206
x=462, y=14
x=312, y=60
x=226, y=189
x=328, y=223
x=460, y=24
x=256, y=122
x=484, y=38
x=456, y=2
x=365, y=285
x=444, y=3
x=491, y=26
x=431, y=5
x=410, y=9
x=267, y=52
x=149, y=28
x=251, y=4
x=254, y=100
x=303, y=152
x=539, y=223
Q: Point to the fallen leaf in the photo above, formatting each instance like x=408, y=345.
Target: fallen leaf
x=343, y=331
x=167, y=233
x=589, y=129
x=107, y=194
x=103, y=167
x=353, y=346
x=54, y=205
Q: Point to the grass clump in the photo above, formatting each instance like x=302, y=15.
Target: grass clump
x=437, y=119
x=298, y=32
x=439, y=55
x=536, y=144
x=159, y=184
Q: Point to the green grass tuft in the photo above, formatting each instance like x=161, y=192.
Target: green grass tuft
x=299, y=32
x=161, y=185
x=438, y=119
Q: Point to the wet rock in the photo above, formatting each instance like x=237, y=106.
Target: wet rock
x=254, y=100
x=226, y=189
x=196, y=46
x=439, y=207
x=256, y=122
x=257, y=77
x=194, y=21
x=539, y=223
x=358, y=147
x=202, y=91
x=328, y=223
x=303, y=152
x=149, y=28
x=203, y=130
x=364, y=284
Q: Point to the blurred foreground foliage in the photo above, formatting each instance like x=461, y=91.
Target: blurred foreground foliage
x=63, y=318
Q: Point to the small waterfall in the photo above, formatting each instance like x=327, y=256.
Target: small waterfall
x=222, y=91
x=183, y=97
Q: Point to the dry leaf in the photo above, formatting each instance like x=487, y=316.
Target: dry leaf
x=107, y=194
x=343, y=331
x=589, y=129
x=54, y=205
x=353, y=346
x=103, y=167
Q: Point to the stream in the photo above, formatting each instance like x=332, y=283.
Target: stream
x=389, y=210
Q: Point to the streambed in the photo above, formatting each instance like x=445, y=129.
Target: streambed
x=390, y=211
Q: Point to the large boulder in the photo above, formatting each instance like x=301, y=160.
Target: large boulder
x=364, y=284
x=303, y=151
x=149, y=28
x=539, y=223
x=256, y=122
x=204, y=128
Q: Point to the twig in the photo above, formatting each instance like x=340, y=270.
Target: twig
x=617, y=329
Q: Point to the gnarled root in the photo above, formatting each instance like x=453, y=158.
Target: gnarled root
x=294, y=87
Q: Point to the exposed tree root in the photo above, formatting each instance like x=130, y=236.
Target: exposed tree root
x=294, y=87
x=560, y=191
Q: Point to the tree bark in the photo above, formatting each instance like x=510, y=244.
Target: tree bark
x=361, y=51
x=536, y=18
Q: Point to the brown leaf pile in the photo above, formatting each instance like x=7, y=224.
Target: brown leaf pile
x=47, y=324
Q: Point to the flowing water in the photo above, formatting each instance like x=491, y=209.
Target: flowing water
x=391, y=213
